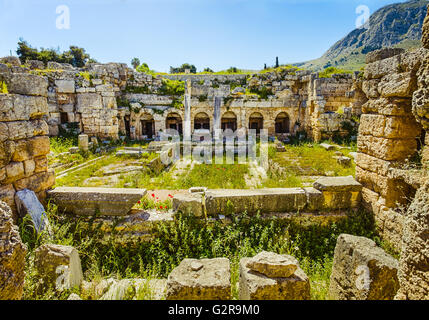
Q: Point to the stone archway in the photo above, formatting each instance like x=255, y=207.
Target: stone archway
x=201, y=121
x=256, y=122
x=174, y=121
x=229, y=121
x=282, y=123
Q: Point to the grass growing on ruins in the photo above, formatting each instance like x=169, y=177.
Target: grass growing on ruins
x=310, y=159
x=216, y=176
x=312, y=242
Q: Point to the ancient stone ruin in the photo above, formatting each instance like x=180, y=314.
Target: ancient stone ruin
x=104, y=104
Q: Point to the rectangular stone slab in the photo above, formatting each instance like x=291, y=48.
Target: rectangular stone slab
x=90, y=201
x=252, y=201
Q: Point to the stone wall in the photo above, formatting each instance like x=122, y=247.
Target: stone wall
x=24, y=141
x=389, y=135
x=108, y=100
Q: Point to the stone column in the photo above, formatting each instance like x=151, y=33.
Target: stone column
x=216, y=114
x=187, y=132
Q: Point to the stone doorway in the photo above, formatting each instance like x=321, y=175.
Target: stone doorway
x=174, y=122
x=202, y=121
x=229, y=121
x=282, y=123
x=256, y=122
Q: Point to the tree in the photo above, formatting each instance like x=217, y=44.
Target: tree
x=135, y=62
x=265, y=66
x=75, y=56
x=183, y=67
x=143, y=68
x=277, y=62
x=208, y=70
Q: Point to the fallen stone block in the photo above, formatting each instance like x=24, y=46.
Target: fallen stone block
x=205, y=279
x=362, y=271
x=344, y=161
x=327, y=147
x=273, y=265
x=28, y=203
x=92, y=201
x=257, y=286
x=58, y=266
x=189, y=204
x=339, y=192
x=254, y=201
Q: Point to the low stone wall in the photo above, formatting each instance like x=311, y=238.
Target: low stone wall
x=24, y=141
x=328, y=194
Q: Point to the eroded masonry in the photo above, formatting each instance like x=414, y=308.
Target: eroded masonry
x=389, y=101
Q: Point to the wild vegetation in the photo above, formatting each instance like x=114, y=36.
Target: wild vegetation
x=311, y=242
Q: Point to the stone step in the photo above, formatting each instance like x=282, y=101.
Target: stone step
x=91, y=201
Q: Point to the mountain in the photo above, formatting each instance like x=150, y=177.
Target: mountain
x=395, y=25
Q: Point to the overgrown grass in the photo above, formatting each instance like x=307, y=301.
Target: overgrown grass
x=308, y=159
x=312, y=242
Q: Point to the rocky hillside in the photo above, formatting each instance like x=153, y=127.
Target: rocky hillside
x=396, y=25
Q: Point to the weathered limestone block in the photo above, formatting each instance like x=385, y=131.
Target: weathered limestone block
x=339, y=192
x=205, y=279
x=37, y=182
x=254, y=201
x=414, y=261
x=362, y=271
x=12, y=257
x=189, y=204
x=26, y=129
x=257, y=286
x=380, y=68
x=25, y=84
x=387, y=149
x=373, y=164
x=344, y=161
x=65, y=86
x=35, y=64
x=393, y=190
x=15, y=107
x=370, y=88
x=26, y=149
x=14, y=171
x=397, y=85
x=388, y=106
x=7, y=195
x=83, y=142
x=273, y=265
x=11, y=60
x=91, y=201
x=88, y=103
x=382, y=54
x=58, y=266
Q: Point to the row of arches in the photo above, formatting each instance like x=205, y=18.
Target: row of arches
x=202, y=121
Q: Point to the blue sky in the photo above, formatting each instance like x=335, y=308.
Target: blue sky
x=163, y=33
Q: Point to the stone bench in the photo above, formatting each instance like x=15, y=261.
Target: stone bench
x=91, y=201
